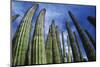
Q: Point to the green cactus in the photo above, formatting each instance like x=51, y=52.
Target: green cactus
x=49, y=52
x=53, y=48
x=58, y=42
x=56, y=53
x=38, y=45
x=21, y=38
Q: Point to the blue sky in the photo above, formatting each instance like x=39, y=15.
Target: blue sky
x=58, y=12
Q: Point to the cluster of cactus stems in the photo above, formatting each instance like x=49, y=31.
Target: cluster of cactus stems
x=21, y=39
x=53, y=49
x=75, y=50
x=36, y=51
x=88, y=45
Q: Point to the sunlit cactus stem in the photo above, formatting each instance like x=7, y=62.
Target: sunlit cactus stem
x=21, y=38
x=56, y=52
x=49, y=48
x=58, y=42
x=38, y=44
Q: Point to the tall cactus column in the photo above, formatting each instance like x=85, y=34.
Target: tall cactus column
x=70, y=55
x=56, y=52
x=81, y=56
x=93, y=42
x=38, y=49
x=53, y=46
x=21, y=39
x=74, y=47
x=49, y=49
x=58, y=42
x=90, y=51
x=64, y=50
